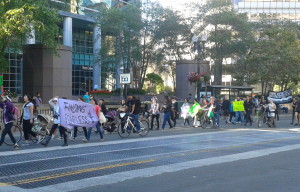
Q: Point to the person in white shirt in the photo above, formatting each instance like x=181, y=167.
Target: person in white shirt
x=56, y=123
x=271, y=113
x=154, y=111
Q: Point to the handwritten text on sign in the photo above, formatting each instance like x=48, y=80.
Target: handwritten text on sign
x=76, y=114
x=238, y=106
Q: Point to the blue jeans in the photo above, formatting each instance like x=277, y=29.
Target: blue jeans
x=98, y=125
x=237, y=115
x=216, y=119
x=135, y=121
x=248, y=117
x=167, y=117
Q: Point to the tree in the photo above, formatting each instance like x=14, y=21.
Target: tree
x=175, y=31
x=19, y=17
x=272, y=59
x=229, y=34
x=155, y=81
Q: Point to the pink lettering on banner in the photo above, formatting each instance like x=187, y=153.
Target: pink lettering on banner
x=76, y=114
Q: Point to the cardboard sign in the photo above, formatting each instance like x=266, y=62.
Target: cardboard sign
x=238, y=106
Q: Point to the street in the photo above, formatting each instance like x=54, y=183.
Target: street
x=233, y=158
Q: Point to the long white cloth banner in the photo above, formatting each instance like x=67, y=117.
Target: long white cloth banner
x=76, y=114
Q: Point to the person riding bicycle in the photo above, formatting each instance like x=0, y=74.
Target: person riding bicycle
x=134, y=106
x=8, y=119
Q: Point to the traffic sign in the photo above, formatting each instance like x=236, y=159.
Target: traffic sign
x=125, y=78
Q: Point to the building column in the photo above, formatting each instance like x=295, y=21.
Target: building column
x=67, y=34
x=97, y=58
x=31, y=38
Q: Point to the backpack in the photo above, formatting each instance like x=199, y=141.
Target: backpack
x=15, y=112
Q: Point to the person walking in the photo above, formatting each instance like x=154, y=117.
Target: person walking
x=248, y=105
x=271, y=113
x=297, y=114
x=167, y=109
x=8, y=120
x=98, y=125
x=239, y=113
x=185, y=112
x=27, y=118
x=103, y=106
x=294, y=104
x=56, y=124
x=154, y=111
x=174, y=111
x=225, y=108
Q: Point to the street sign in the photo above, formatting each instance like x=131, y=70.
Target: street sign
x=125, y=78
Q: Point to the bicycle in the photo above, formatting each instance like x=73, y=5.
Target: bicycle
x=126, y=127
x=17, y=132
x=262, y=117
x=205, y=120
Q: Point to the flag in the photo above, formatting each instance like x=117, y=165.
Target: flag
x=195, y=109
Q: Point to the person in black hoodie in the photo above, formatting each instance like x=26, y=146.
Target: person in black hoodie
x=226, y=109
x=248, y=105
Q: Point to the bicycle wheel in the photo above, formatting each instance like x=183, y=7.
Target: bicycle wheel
x=123, y=131
x=40, y=136
x=17, y=133
x=204, y=122
x=261, y=121
x=144, y=128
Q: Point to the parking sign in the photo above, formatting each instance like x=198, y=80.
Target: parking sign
x=125, y=78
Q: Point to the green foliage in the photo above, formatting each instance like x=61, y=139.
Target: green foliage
x=273, y=59
x=228, y=32
x=143, y=35
x=132, y=91
x=155, y=83
x=19, y=17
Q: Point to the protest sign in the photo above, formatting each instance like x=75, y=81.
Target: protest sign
x=76, y=114
x=281, y=97
x=238, y=106
x=195, y=109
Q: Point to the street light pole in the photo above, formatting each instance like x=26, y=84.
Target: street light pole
x=199, y=46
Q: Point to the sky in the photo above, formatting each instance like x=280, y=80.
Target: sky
x=176, y=3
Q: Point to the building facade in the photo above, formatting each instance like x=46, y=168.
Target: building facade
x=78, y=32
x=278, y=10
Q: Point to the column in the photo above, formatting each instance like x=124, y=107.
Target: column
x=67, y=34
x=97, y=58
x=30, y=39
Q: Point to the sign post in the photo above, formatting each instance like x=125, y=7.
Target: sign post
x=125, y=79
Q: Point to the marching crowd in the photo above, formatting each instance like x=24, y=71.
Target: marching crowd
x=210, y=107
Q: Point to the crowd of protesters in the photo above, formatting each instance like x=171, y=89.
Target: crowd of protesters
x=168, y=108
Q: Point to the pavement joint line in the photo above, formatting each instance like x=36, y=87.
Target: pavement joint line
x=192, y=151
x=124, y=159
x=131, y=140
x=83, y=154
x=48, y=177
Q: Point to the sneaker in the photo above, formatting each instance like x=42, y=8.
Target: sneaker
x=65, y=144
x=60, y=138
x=85, y=140
x=16, y=147
x=101, y=140
x=73, y=138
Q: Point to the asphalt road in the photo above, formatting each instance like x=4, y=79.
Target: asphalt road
x=233, y=158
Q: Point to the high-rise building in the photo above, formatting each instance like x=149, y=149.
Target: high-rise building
x=34, y=70
x=279, y=10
